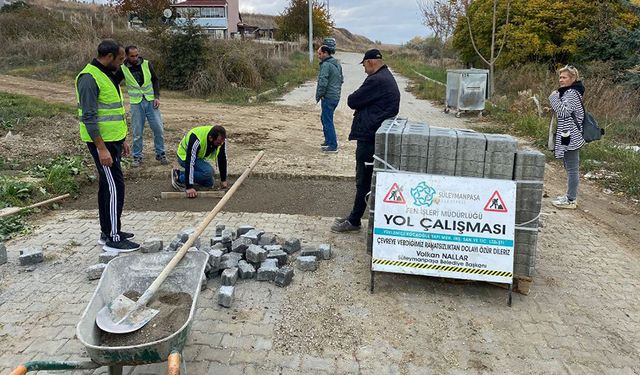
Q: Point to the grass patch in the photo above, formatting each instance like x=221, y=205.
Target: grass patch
x=292, y=72
x=420, y=87
x=15, y=109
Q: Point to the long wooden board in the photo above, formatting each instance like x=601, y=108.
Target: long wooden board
x=201, y=194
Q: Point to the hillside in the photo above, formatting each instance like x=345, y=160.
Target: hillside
x=345, y=39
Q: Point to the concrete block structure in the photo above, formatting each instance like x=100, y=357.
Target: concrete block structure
x=420, y=148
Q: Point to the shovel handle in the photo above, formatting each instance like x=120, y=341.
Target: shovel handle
x=153, y=288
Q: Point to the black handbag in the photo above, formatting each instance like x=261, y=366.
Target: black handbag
x=589, y=127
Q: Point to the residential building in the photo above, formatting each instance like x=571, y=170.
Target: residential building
x=219, y=18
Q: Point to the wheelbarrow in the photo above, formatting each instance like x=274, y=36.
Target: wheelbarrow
x=134, y=273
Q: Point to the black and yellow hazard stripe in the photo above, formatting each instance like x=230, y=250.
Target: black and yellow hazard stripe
x=439, y=267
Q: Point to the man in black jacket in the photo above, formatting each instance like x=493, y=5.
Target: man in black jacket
x=375, y=101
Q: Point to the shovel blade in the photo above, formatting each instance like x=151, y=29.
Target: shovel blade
x=124, y=316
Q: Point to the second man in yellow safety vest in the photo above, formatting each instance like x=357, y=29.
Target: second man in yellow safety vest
x=200, y=144
x=144, y=96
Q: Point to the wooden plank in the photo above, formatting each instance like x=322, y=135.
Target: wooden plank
x=201, y=194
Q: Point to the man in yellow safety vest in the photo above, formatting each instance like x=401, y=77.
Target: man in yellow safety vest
x=144, y=95
x=201, y=143
x=104, y=128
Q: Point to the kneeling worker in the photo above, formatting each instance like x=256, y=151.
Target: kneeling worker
x=199, y=145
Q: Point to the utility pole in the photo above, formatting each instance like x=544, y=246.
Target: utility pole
x=310, y=31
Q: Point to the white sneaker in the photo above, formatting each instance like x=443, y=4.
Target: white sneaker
x=565, y=203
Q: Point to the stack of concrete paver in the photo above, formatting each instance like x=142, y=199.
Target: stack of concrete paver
x=250, y=253
x=243, y=253
x=417, y=147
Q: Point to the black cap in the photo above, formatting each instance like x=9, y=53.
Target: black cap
x=371, y=54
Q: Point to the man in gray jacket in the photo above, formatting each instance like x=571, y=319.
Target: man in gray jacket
x=328, y=91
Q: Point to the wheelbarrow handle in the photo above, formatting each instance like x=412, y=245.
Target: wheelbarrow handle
x=173, y=363
x=153, y=288
x=53, y=365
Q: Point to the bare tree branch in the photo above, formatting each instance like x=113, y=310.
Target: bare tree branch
x=506, y=32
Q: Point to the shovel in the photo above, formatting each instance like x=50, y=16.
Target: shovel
x=123, y=315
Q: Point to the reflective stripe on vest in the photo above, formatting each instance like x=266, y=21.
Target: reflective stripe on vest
x=202, y=132
x=111, y=114
x=137, y=92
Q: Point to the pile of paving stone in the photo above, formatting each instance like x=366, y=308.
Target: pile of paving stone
x=243, y=253
x=417, y=147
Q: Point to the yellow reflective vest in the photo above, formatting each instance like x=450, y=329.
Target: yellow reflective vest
x=202, y=132
x=111, y=115
x=137, y=92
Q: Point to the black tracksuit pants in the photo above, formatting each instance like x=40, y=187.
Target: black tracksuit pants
x=364, y=153
x=111, y=190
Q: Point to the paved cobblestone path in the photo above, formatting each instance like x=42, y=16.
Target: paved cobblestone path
x=581, y=316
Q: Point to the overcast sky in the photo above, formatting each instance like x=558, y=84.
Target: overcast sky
x=394, y=21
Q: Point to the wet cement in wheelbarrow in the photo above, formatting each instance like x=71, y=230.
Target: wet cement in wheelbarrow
x=174, y=311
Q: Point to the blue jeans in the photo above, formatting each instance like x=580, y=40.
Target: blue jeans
x=202, y=173
x=140, y=112
x=326, y=117
x=571, y=162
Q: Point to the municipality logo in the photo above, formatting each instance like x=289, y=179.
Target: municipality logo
x=423, y=194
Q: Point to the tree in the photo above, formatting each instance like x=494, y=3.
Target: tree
x=294, y=21
x=493, y=55
x=545, y=31
x=441, y=17
x=147, y=10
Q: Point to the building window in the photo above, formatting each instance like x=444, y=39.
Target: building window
x=217, y=12
x=189, y=12
x=217, y=34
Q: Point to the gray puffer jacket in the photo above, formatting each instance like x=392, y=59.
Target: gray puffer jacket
x=329, y=79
